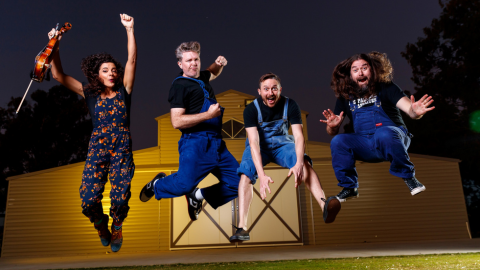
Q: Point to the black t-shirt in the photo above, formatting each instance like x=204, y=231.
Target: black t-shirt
x=188, y=94
x=250, y=114
x=389, y=95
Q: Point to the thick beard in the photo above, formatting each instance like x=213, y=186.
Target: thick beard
x=362, y=91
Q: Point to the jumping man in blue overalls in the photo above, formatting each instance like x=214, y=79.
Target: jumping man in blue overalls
x=267, y=120
x=197, y=114
x=366, y=94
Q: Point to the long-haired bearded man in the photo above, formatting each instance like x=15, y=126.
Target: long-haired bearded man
x=366, y=94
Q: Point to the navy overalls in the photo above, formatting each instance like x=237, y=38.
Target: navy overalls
x=202, y=152
x=109, y=156
x=377, y=138
x=275, y=145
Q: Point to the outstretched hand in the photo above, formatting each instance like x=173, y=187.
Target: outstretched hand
x=420, y=107
x=333, y=120
x=126, y=20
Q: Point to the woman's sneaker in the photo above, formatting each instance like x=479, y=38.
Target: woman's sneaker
x=414, y=185
x=149, y=190
x=117, y=238
x=103, y=231
x=347, y=194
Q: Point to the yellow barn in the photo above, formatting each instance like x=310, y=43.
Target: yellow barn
x=43, y=216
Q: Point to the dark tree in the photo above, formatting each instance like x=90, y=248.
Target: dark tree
x=446, y=65
x=51, y=132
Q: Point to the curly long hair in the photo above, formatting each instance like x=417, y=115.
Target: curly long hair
x=91, y=66
x=381, y=71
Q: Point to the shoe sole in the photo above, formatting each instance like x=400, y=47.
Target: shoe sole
x=417, y=190
x=143, y=196
x=235, y=239
x=348, y=198
x=333, y=207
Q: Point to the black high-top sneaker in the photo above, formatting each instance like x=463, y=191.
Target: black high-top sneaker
x=148, y=190
x=414, y=185
x=194, y=205
x=347, y=194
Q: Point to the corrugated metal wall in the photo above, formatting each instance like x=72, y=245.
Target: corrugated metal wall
x=385, y=210
x=44, y=214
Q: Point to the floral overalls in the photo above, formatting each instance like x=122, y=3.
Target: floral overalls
x=109, y=156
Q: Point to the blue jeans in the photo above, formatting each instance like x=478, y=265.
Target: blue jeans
x=284, y=156
x=201, y=154
x=388, y=143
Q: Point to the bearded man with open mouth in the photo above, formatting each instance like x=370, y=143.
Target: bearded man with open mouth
x=366, y=94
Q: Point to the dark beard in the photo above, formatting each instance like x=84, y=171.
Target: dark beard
x=361, y=91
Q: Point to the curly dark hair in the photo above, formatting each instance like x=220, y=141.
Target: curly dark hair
x=381, y=71
x=91, y=66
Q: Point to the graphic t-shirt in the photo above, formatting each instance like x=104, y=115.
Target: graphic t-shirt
x=389, y=94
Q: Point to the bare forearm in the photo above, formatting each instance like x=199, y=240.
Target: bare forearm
x=131, y=45
x=300, y=149
x=215, y=69
x=56, y=68
x=130, y=67
x=60, y=76
x=189, y=120
x=256, y=156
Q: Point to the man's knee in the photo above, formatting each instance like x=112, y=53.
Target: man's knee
x=338, y=142
x=245, y=182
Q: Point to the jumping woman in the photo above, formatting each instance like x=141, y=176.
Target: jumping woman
x=108, y=97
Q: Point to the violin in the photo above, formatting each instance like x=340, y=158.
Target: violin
x=42, y=61
x=43, y=58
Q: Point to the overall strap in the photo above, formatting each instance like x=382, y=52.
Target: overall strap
x=351, y=104
x=260, y=119
x=202, y=84
x=285, y=110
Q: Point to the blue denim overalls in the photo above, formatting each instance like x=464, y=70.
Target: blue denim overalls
x=275, y=145
x=109, y=156
x=202, y=152
x=377, y=138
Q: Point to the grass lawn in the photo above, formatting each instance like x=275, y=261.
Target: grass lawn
x=444, y=261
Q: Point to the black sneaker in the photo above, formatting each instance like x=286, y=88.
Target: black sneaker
x=414, y=185
x=148, y=190
x=347, y=194
x=331, y=209
x=194, y=205
x=240, y=235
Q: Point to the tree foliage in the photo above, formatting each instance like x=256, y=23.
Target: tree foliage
x=52, y=131
x=446, y=65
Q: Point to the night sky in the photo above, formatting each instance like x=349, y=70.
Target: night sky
x=301, y=41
